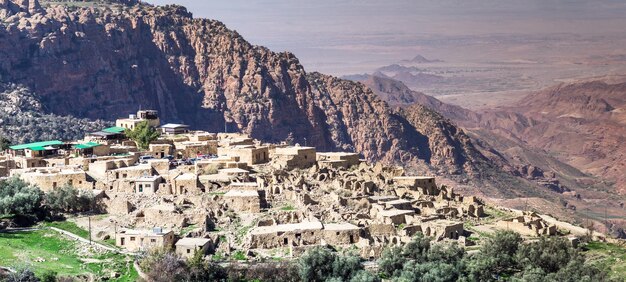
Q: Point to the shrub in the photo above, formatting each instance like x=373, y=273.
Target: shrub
x=143, y=134
x=69, y=199
x=19, y=198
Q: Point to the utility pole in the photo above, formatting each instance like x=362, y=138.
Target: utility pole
x=89, y=217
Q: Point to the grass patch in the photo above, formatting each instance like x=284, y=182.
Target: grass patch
x=288, y=208
x=187, y=229
x=47, y=250
x=610, y=257
x=69, y=227
x=239, y=255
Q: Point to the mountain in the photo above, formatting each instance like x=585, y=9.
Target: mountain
x=419, y=59
x=583, y=124
x=107, y=60
x=502, y=136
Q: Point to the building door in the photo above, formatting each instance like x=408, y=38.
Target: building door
x=122, y=241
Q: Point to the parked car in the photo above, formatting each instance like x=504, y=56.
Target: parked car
x=144, y=159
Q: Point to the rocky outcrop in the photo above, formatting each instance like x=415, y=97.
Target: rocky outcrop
x=106, y=61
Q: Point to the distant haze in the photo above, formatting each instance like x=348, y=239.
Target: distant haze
x=353, y=36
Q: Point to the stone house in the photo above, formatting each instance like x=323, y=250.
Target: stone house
x=243, y=200
x=341, y=233
x=161, y=150
x=285, y=235
x=338, y=159
x=142, y=240
x=147, y=184
x=188, y=247
x=248, y=154
x=185, y=183
x=395, y=217
x=174, y=129
x=424, y=184
x=442, y=229
x=151, y=116
x=293, y=157
x=130, y=172
x=48, y=179
x=528, y=224
x=191, y=149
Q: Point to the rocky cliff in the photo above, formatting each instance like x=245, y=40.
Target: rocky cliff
x=106, y=60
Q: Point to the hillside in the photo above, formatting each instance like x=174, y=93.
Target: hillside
x=104, y=61
x=583, y=124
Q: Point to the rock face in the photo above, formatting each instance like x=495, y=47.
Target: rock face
x=106, y=61
x=584, y=123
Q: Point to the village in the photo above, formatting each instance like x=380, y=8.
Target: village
x=226, y=193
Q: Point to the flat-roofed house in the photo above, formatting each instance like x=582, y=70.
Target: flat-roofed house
x=151, y=116
x=51, y=178
x=338, y=159
x=243, y=200
x=293, y=157
x=174, y=128
x=250, y=154
x=424, y=184
x=147, y=184
x=91, y=148
x=36, y=149
x=188, y=247
x=140, y=240
x=284, y=235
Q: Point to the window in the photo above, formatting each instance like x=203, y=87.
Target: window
x=124, y=175
x=140, y=188
x=132, y=238
x=286, y=241
x=54, y=185
x=152, y=240
x=189, y=251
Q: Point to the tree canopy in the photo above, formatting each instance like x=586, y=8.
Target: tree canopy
x=143, y=134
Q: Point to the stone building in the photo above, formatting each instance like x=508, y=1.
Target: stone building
x=284, y=235
x=424, y=184
x=161, y=150
x=243, y=200
x=191, y=149
x=442, y=229
x=188, y=247
x=528, y=224
x=147, y=184
x=174, y=129
x=142, y=240
x=185, y=183
x=249, y=154
x=338, y=159
x=151, y=116
x=48, y=179
x=293, y=157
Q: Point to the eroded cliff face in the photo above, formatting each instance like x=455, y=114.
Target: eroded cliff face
x=106, y=61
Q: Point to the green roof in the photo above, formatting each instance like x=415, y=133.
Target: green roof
x=114, y=129
x=86, y=145
x=37, y=146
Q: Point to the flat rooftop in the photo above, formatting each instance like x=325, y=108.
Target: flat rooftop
x=306, y=225
x=242, y=193
x=340, y=226
x=395, y=212
x=194, y=242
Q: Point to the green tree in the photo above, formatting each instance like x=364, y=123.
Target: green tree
x=143, y=134
x=19, y=198
x=4, y=143
x=69, y=199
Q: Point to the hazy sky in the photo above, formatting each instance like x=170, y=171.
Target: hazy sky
x=342, y=36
